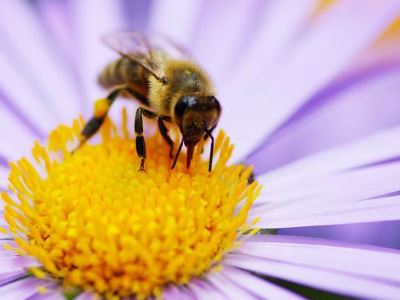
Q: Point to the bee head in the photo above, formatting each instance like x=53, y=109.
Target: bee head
x=195, y=116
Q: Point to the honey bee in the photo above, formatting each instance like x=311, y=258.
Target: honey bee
x=174, y=90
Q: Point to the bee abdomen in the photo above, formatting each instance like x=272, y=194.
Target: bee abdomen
x=124, y=71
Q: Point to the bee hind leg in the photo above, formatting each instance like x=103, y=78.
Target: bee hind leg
x=164, y=133
x=140, y=142
x=101, y=108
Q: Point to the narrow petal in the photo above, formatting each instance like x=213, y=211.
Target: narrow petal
x=92, y=20
x=356, y=154
x=288, y=88
x=350, y=197
x=85, y=296
x=21, y=289
x=177, y=24
x=15, y=263
x=229, y=288
x=278, y=23
x=35, y=53
x=216, y=51
x=53, y=292
x=316, y=253
x=359, y=272
x=20, y=91
x=315, y=127
x=3, y=178
x=255, y=285
x=16, y=142
x=174, y=292
x=203, y=290
x=8, y=278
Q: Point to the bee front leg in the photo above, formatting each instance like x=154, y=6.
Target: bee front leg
x=140, y=143
x=164, y=132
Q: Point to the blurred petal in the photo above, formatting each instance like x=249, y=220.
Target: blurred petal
x=289, y=89
x=316, y=252
x=364, y=102
x=175, y=19
x=174, y=292
x=230, y=289
x=22, y=289
x=31, y=49
x=216, y=51
x=3, y=179
x=279, y=24
x=361, y=272
x=53, y=292
x=20, y=89
x=203, y=290
x=356, y=154
x=16, y=140
x=85, y=296
x=255, y=285
x=15, y=263
x=8, y=278
x=92, y=20
x=349, y=197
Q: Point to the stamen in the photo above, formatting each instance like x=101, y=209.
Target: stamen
x=96, y=223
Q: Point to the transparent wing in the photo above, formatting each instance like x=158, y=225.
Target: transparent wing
x=150, y=52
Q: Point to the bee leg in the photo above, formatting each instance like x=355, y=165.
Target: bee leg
x=164, y=132
x=101, y=109
x=140, y=143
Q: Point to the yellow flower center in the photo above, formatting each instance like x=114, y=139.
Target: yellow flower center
x=94, y=222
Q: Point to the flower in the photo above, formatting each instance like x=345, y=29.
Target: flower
x=355, y=182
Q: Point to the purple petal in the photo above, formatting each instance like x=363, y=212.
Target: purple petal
x=216, y=51
x=4, y=171
x=348, y=24
x=356, y=154
x=178, y=24
x=351, y=284
x=230, y=289
x=11, y=264
x=136, y=14
x=349, y=197
x=55, y=84
x=53, y=292
x=85, y=296
x=17, y=85
x=275, y=25
x=203, y=290
x=92, y=20
x=8, y=278
x=21, y=289
x=367, y=261
x=174, y=292
x=370, y=94
x=257, y=286
x=16, y=142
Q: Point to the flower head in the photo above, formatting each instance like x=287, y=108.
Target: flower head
x=93, y=221
x=88, y=225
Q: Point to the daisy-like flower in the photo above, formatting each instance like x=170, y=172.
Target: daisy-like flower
x=89, y=225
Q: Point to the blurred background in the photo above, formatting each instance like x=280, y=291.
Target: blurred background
x=335, y=63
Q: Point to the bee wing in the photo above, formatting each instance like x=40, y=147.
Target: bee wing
x=150, y=52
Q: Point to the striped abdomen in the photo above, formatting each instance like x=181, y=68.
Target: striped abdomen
x=124, y=71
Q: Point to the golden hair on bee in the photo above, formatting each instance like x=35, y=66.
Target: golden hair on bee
x=184, y=78
x=172, y=90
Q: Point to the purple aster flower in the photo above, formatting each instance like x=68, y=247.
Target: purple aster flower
x=289, y=77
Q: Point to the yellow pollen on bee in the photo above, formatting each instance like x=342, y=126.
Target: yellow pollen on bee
x=95, y=223
x=101, y=107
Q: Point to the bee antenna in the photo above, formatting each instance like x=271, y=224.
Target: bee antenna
x=177, y=154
